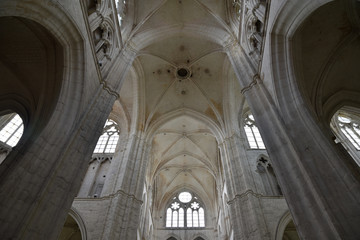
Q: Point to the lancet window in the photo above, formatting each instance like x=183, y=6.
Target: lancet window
x=109, y=138
x=252, y=133
x=185, y=210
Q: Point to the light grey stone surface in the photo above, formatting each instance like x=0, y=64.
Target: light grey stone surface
x=179, y=79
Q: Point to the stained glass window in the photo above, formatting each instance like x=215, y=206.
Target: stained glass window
x=185, y=210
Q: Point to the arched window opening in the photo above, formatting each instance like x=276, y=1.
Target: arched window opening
x=185, y=210
x=109, y=138
x=268, y=177
x=171, y=238
x=345, y=126
x=199, y=238
x=252, y=133
x=350, y=128
x=290, y=232
x=70, y=230
x=11, y=129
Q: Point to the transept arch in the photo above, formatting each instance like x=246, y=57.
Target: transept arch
x=213, y=127
x=144, y=38
x=293, y=42
x=57, y=58
x=24, y=67
x=62, y=49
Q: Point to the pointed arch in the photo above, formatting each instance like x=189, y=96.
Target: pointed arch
x=213, y=127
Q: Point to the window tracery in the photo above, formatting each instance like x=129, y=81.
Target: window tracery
x=185, y=210
x=252, y=133
x=237, y=6
x=346, y=127
x=108, y=140
x=350, y=128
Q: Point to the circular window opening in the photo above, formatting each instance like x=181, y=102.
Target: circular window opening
x=182, y=72
x=185, y=197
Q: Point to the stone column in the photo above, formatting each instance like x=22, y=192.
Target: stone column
x=322, y=190
x=117, y=160
x=124, y=209
x=245, y=209
x=41, y=176
x=37, y=189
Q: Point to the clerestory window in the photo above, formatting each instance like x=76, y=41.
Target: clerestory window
x=121, y=6
x=11, y=129
x=252, y=133
x=109, y=138
x=346, y=126
x=185, y=210
x=350, y=128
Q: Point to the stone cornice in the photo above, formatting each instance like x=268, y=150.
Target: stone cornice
x=256, y=80
x=111, y=196
x=251, y=192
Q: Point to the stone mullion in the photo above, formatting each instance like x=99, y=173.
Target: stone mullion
x=317, y=188
x=351, y=127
